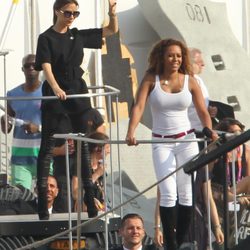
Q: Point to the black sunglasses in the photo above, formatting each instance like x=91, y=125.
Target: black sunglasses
x=28, y=65
x=68, y=14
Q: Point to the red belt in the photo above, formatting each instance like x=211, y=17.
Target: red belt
x=174, y=136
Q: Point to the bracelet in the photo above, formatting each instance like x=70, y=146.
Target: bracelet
x=217, y=226
x=207, y=132
x=111, y=14
x=157, y=226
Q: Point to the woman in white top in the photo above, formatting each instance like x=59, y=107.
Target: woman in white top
x=170, y=88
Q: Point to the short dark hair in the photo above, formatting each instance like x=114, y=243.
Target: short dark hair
x=52, y=176
x=25, y=58
x=131, y=216
x=224, y=124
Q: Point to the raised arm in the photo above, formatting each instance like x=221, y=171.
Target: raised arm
x=112, y=27
x=138, y=108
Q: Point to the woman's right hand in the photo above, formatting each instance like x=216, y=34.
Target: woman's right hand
x=158, y=237
x=47, y=69
x=130, y=139
x=59, y=93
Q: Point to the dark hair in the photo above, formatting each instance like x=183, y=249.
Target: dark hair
x=52, y=176
x=156, y=57
x=25, y=58
x=59, y=4
x=227, y=122
x=96, y=136
x=130, y=216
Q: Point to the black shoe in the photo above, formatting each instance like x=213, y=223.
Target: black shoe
x=43, y=215
x=187, y=246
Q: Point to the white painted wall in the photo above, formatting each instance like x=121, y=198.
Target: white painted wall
x=18, y=43
x=235, y=17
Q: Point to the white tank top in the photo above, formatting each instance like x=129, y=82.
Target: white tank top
x=169, y=110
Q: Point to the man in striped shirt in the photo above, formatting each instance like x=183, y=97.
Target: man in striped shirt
x=25, y=116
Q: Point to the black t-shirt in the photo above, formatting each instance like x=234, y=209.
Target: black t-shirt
x=219, y=169
x=64, y=51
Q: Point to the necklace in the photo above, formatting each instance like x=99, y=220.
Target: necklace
x=166, y=82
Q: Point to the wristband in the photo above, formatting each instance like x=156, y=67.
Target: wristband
x=157, y=226
x=207, y=132
x=217, y=226
x=39, y=128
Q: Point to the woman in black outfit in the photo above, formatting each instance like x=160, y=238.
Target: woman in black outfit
x=242, y=155
x=59, y=55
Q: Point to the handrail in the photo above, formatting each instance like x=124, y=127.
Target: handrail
x=80, y=137
x=110, y=91
x=87, y=95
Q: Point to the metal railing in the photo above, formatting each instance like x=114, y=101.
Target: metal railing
x=79, y=138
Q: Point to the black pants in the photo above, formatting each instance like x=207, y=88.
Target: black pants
x=175, y=221
x=51, y=124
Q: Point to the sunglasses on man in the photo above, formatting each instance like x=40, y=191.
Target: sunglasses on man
x=29, y=65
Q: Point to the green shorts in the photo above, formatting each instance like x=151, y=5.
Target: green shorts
x=25, y=175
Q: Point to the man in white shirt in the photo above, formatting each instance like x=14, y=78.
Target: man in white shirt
x=197, y=65
x=217, y=110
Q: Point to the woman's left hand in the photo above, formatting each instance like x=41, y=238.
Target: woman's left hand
x=99, y=206
x=245, y=201
x=219, y=235
x=214, y=136
x=112, y=7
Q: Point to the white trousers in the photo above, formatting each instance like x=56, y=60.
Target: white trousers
x=167, y=157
